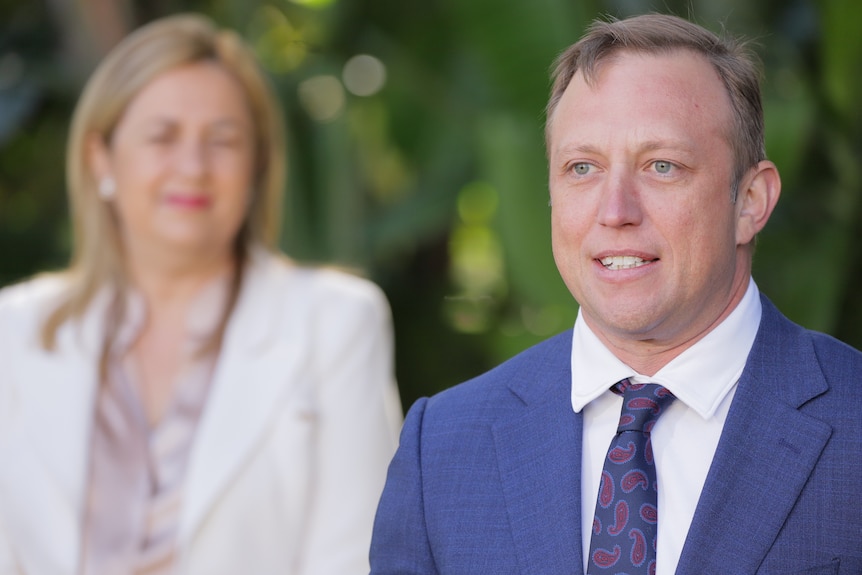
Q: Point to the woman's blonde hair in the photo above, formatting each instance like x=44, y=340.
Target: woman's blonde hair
x=151, y=50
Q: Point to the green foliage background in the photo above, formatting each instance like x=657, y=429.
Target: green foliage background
x=435, y=185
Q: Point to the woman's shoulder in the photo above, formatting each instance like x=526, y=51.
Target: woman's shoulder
x=32, y=295
x=344, y=282
x=284, y=296
x=330, y=284
x=25, y=305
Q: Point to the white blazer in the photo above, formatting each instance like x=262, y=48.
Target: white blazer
x=290, y=456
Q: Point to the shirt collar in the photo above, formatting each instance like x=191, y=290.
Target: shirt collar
x=700, y=377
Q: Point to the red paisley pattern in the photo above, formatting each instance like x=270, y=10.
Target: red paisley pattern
x=624, y=527
x=605, y=559
x=622, y=454
x=606, y=490
x=643, y=403
x=621, y=514
x=639, y=547
x=649, y=513
x=633, y=479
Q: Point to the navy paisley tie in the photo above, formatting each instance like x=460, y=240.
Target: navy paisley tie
x=624, y=527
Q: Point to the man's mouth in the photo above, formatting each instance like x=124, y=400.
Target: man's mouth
x=623, y=262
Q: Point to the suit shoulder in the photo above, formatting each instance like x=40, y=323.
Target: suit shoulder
x=836, y=358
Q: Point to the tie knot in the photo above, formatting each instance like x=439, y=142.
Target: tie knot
x=643, y=403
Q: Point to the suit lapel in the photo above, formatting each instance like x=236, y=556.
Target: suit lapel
x=765, y=455
x=539, y=458
x=258, y=369
x=44, y=448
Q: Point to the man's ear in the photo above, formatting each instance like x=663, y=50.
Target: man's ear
x=758, y=194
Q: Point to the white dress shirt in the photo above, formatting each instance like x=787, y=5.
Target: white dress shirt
x=703, y=378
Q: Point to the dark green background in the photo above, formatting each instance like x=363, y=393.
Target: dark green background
x=436, y=186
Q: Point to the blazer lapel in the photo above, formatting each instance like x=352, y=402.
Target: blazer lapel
x=44, y=449
x=539, y=457
x=766, y=453
x=257, y=369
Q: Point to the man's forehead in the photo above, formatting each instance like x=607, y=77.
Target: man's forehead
x=591, y=71
x=654, y=97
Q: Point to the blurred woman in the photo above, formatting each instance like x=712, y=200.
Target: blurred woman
x=183, y=399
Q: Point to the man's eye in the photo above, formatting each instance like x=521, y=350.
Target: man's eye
x=662, y=167
x=581, y=168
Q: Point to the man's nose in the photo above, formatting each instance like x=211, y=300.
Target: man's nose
x=620, y=203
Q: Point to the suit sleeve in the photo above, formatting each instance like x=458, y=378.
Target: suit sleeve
x=360, y=417
x=400, y=543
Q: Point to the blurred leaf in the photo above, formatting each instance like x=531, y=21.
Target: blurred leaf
x=842, y=56
x=17, y=102
x=790, y=117
x=513, y=161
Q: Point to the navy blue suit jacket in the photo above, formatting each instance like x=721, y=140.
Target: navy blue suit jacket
x=487, y=477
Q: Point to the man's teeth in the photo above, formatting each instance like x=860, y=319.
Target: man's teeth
x=622, y=262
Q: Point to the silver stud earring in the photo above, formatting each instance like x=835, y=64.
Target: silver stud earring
x=107, y=188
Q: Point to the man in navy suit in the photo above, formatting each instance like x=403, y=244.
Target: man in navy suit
x=659, y=184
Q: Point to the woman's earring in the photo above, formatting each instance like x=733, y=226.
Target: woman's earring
x=107, y=188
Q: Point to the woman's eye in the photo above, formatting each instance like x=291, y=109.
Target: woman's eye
x=662, y=167
x=581, y=168
x=225, y=138
x=159, y=138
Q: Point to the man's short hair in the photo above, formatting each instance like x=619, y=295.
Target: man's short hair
x=662, y=34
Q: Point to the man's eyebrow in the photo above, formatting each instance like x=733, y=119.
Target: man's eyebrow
x=647, y=146
x=568, y=149
x=666, y=143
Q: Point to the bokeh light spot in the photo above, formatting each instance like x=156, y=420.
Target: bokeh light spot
x=322, y=97
x=364, y=75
